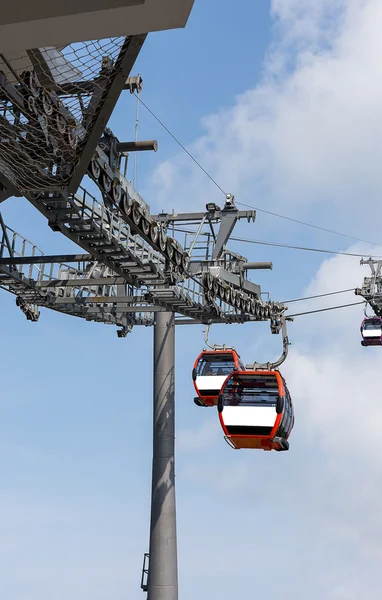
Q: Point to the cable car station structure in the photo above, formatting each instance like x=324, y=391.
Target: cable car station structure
x=371, y=291
x=135, y=268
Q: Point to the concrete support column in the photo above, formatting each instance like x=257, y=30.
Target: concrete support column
x=163, y=561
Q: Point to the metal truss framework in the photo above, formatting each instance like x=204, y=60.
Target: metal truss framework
x=136, y=268
x=55, y=106
x=121, y=280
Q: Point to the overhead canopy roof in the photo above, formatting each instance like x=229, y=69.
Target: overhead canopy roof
x=28, y=24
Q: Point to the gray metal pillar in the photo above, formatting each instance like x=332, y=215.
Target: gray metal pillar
x=163, y=561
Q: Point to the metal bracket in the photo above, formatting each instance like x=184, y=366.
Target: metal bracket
x=134, y=83
x=30, y=311
x=229, y=217
x=122, y=333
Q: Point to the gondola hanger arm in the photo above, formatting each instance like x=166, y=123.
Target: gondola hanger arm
x=365, y=311
x=214, y=346
x=274, y=365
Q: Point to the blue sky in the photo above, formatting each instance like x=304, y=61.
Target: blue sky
x=281, y=102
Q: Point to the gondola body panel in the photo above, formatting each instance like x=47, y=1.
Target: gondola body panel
x=371, y=331
x=210, y=371
x=256, y=410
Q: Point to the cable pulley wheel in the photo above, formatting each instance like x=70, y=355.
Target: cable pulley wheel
x=209, y=281
x=169, y=249
x=95, y=169
x=72, y=137
x=215, y=286
x=238, y=301
x=185, y=260
x=145, y=225
x=43, y=120
x=136, y=214
x=106, y=182
x=233, y=296
x=248, y=305
x=125, y=204
x=154, y=232
x=227, y=294
x=162, y=242
x=116, y=191
x=178, y=258
x=61, y=123
x=32, y=107
x=34, y=84
x=55, y=146
x=47, y=104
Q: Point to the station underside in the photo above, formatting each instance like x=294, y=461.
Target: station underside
x=39, y=23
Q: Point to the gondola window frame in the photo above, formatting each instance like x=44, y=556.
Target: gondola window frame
x=203, y=362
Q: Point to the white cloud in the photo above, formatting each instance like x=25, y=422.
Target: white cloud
x=303, y=139
x=188, y=440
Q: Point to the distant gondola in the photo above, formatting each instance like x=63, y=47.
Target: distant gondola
x=210, y=371
x=371, y=331
x=256, y=410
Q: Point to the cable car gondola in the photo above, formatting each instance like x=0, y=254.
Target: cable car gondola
x=210, y=371
x=371, y=331
x=256, y=410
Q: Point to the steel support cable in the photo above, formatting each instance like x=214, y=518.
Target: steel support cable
x=181, y=145
x=310, y=312
x=136, y=139
x=305, y=248
x=317, y=296
x=268, y=212
x=277, y=245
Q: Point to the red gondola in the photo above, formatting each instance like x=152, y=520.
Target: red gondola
x=256, y=410
x=210, y=371
x=371, y=331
